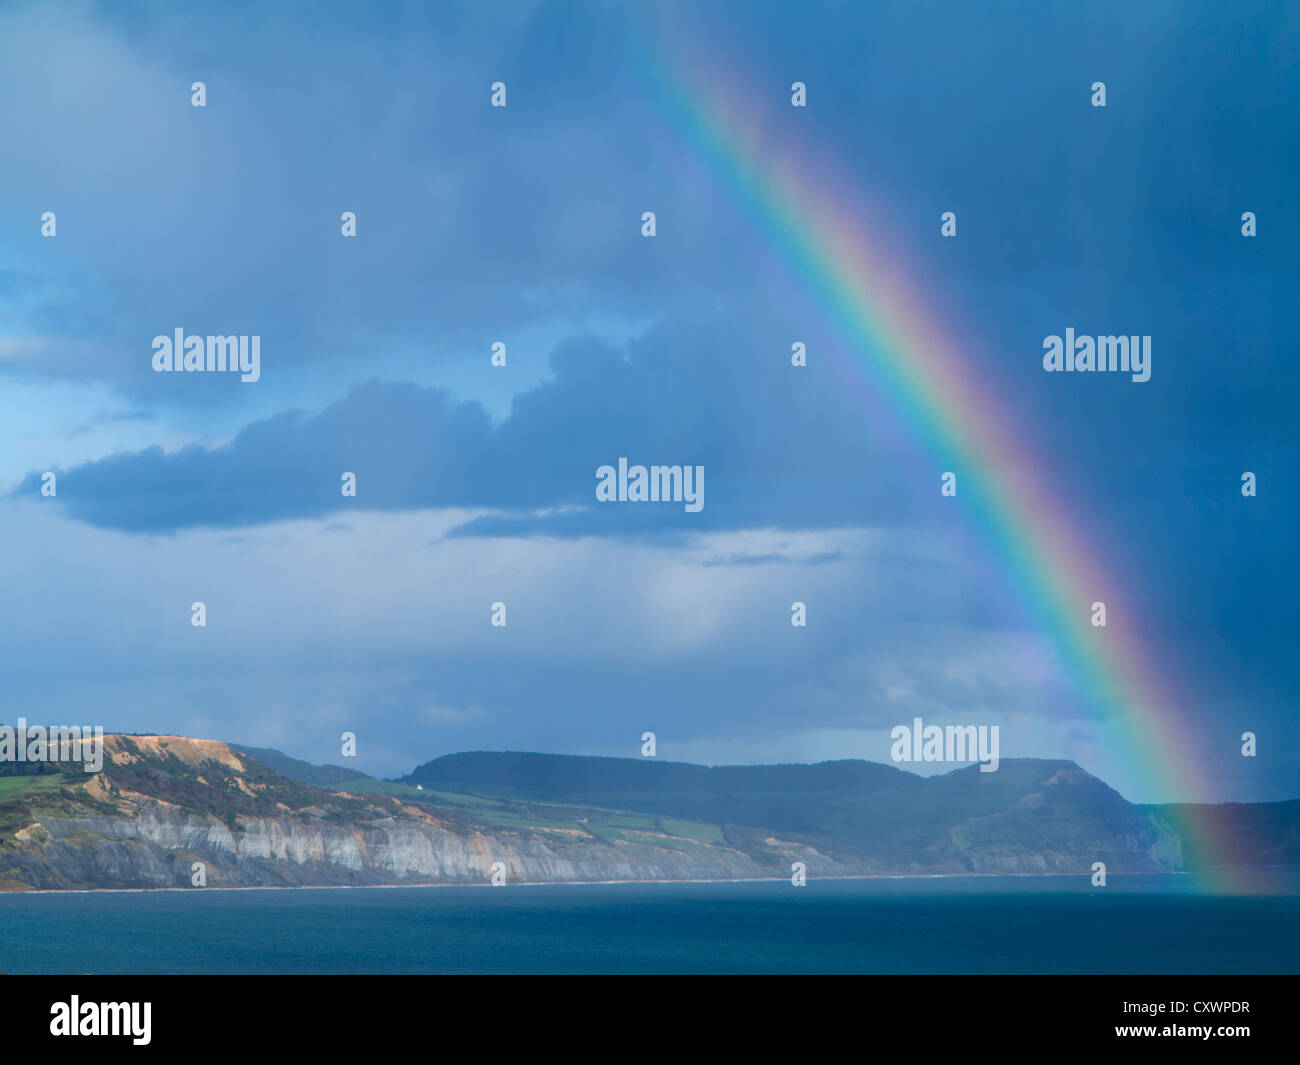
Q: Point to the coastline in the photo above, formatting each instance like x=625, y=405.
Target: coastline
x=582, y=883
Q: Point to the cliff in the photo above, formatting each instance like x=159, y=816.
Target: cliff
x=161, y=804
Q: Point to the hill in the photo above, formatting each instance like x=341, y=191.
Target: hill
x=320, y=776
x=256, y=817
x=1030, y=816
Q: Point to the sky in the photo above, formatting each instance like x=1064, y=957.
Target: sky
x=523, y=225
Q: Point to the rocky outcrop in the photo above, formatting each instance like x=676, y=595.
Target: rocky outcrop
x=157, y=848
x=250, y=827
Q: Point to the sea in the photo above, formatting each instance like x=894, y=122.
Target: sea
x=967, y=925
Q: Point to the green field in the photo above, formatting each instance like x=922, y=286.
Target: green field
x=601, y=822
x=368, y=786
x=15, y=787
x=695, y=830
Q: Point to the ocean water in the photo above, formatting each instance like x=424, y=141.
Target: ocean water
x=1140, y=924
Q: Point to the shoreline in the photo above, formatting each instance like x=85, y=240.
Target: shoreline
x=4, y=893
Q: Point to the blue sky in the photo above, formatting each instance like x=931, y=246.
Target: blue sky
x=522, y=225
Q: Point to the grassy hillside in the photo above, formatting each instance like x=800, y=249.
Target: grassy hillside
x=1030, y=815
x=331, y=777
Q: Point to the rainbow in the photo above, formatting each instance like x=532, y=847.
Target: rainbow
x=900, y=354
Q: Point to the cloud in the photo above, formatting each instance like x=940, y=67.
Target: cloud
x=311, y=633
x=521, y=225
x=473, y=223
x=678, y=396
